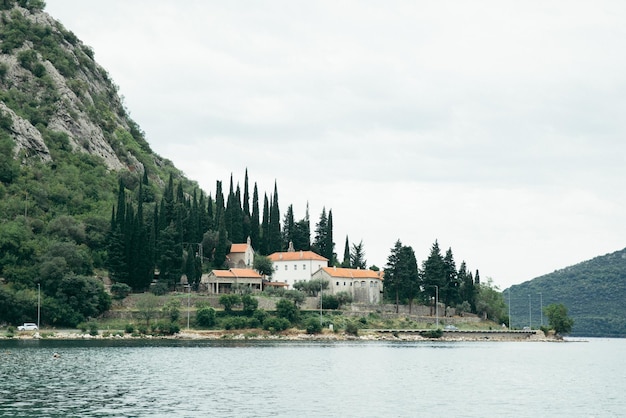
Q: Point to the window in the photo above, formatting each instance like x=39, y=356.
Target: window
x=371, y=284
x=304, y=267
x=295, y=267
x=344, y=283
x=363, y=284
x=286, y=267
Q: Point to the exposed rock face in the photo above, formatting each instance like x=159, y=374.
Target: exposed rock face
x=80, y=100
x=27, y=138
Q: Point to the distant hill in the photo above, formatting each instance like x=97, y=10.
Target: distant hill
x=594, y=292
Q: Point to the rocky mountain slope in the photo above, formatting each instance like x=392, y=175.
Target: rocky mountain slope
x=51, y=88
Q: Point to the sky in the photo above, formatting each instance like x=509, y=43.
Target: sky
x=495, y=128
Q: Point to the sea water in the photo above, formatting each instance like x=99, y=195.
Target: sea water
x=173, y=378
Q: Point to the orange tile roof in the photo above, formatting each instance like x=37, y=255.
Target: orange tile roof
x=353, y=273
x=296, y=255
x=232, y=273
x=238, y=248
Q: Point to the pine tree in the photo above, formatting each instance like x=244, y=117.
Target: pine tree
x=393, y=278
x=450, y=293
x=357, y=256
x=433, y=270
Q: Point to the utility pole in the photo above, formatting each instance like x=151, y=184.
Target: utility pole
x=530, y=313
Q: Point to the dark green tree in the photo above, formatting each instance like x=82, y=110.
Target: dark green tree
x=346, y=254
x=302, y=233
x=433, y=272
x=275, y=238
x=288, y=310
x=263, y=265
x=357, y=256
x=558, y=319
x=255, y=225
x=451, y=289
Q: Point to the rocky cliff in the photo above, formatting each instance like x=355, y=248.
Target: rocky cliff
x=53, y=90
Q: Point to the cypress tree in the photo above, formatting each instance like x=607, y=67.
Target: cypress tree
x=289, y=228
x=255, y=232
x=265, y=227
x=247, y=222
x=330, y=244
x=275, y=239
x=346, y=254
x=321, y=229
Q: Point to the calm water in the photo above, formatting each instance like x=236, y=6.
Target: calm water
x=296, y=379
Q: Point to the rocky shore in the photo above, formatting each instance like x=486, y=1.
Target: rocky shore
x=293, y=335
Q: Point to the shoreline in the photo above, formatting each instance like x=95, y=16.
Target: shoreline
x=295, y=335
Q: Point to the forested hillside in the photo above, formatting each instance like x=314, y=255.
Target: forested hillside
x=594, y=292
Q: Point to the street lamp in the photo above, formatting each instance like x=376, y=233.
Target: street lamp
x=38, y=304
x=530, y=313
x=541, y=306
x=321, y=301
x=188, y=304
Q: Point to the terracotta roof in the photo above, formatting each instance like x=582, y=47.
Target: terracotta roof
x=296, y=255
x=238, y=248
x=232, y=273
x=353, y=273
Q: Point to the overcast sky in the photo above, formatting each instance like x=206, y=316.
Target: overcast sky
x=495, y=127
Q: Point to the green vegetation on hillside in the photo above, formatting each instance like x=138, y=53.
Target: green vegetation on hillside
x=594, y=291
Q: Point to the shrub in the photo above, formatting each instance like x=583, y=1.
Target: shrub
x=159, y=288
x=129, y=328
x=165, y=328
x=274, y=324
x=254, y=323
x=432, y=333
x=287, y=309
x=120, y=290
x=250, y=304
x=313, y=326
x=230, y=300
x=352, y=328
x=260, y=315
x=142, y=328
x=93, y=328
x=205, y=316
x=234, y=322
x=330, y=302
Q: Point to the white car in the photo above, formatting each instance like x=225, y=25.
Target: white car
x=28, y=326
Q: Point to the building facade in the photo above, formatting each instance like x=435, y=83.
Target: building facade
x=227, y=281
x=292, y=266
x=240, y=255
x=365, y=286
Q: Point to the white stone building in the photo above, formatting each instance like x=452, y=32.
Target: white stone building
x=295, y=266
x=365, y=286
